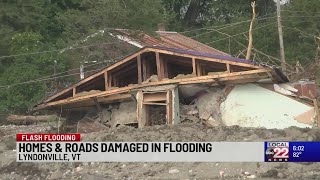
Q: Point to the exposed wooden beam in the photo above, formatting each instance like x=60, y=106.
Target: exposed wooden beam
x=199, y=69
x=194, y=70
x=165, y=68
x=139, y=69
x=154, y=103
x=204, y=58
x=153, y=97
x=116, y=97
x=158, y=66
x=110, y=80
x=106, y=81
x=228, y=67
x=169, y=107
x=144, y=69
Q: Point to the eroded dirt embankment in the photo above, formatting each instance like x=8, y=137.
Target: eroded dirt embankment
x=9, y=169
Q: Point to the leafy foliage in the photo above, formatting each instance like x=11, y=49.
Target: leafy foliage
x=72, y=32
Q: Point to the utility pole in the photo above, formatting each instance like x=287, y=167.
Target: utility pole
x=283, y=61
x=54, y=72
x=81, y=71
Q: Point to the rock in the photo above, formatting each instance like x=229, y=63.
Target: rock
x=56, y=175
x=79, y=169
x=190, y=171
x=252, y=176
x=270, y=173
x=221, y=173
x=173, y=171
x=281, y=175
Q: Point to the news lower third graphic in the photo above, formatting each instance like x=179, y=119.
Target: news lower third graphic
x=292, y=151
x=70, y=148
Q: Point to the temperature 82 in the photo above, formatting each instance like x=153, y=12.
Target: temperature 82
x=296, y=154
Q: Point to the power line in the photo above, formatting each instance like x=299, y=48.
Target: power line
x=72, y=48
x=50, y=77
x=40, y=80
x=111, y=60
x=229, y=25
x=58, y=50
x=230, y=36
x=301, y=16
x=303, y=32
x=299, y=11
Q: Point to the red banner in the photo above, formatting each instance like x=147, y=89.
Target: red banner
x=48, y=137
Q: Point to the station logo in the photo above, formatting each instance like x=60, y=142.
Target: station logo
x=277, y=151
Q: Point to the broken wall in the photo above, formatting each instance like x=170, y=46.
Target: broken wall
x=250, y=105
x=125, y=114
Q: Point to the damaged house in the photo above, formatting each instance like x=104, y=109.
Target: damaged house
x=174, y=78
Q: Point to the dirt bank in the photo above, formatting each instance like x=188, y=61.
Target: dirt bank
x=9, y=169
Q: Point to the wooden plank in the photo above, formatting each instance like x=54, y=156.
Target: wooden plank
x=194, y=70
x=199, y=70
x=115, y=81
x=110, y=80
x=153, y=97
x=203, y=58
x=144, y=69
x=153, y=103
x=139, y=108
x=139, y=69
x=228, y=68
x=74, y=90
x=165, y=68
x=106, y=81
x=115, y=97
x=169, y=107
x=158, y=66
x=146, y=115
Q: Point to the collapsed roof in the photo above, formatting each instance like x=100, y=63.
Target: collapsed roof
x=164, y=39
x=154, y=66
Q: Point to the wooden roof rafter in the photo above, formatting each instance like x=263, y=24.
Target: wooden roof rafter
x=175, y=52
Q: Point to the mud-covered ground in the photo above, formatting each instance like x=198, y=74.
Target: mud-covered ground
x=9, y=169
